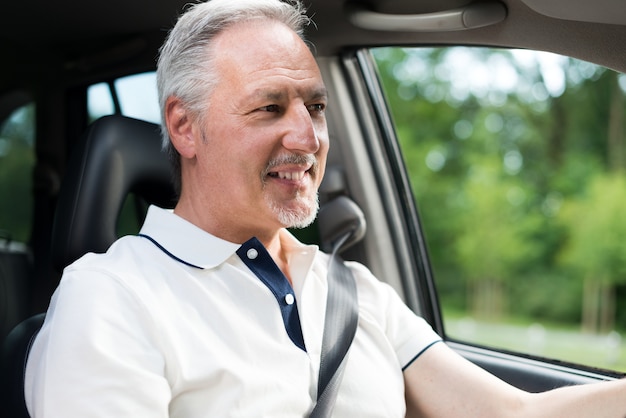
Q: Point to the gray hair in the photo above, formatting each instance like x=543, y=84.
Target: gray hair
x=185, y=67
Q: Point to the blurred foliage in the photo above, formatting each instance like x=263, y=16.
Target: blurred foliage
x=516, y=160
x=17, y=159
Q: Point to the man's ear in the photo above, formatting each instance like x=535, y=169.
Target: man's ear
x=180, y=125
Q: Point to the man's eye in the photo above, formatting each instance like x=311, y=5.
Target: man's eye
x=270, y=108
x=318, y=107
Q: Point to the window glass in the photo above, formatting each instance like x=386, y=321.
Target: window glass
x=99, y=101
x=517, y=161
x=138, y=96
x=17, y=159
x=135, y=94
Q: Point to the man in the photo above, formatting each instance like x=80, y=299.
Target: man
x=215, y=310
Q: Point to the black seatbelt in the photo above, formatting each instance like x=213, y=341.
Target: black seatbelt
x=342, y=315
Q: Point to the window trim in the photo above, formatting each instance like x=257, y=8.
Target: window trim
x=410, y=249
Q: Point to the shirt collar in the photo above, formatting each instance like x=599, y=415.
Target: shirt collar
x=184, y=240
x=194, y=246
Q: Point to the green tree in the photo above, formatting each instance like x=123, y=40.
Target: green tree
x=493, y=165
x=17, y=159
x=596, y=249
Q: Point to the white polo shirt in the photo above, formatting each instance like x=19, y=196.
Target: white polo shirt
x=176, y=322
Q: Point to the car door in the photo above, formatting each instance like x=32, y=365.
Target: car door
x=386, y=141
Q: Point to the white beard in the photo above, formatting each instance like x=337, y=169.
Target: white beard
x=306, y=207
x=301, y=217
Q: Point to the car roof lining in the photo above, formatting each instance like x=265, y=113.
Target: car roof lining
x=596, y=11
x=60, y=34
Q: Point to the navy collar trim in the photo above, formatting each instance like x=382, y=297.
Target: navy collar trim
x=260, y=262
x=162, y=248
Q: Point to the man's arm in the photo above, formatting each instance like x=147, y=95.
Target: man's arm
x=96, y=355
x=441, y=383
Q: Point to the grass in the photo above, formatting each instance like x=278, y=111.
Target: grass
x=566, y=343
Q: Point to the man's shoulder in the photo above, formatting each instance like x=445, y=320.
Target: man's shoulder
x=124, y=254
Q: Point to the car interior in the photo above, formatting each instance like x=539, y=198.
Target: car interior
x=79, y=186
x=118, y=157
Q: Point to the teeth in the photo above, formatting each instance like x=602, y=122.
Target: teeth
x=290, y=175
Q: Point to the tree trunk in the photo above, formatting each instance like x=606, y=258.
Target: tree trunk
x=487, y=299
x=615, y=142
x=590, y=301
x=607, y=307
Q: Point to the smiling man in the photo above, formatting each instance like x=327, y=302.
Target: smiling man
x=252, y=162
x=215, y=309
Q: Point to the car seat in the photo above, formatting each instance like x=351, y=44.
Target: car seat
x=116, y=157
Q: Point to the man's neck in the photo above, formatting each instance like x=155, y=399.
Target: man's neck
x=272, y=239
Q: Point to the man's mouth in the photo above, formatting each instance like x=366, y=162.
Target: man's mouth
x=288, y=175
x=293, y=167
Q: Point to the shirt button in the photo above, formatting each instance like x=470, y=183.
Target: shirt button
x=252, y=253
x=289, y=299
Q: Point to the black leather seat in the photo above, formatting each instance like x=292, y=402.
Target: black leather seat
x=119, y=156
x=15, y=351
x=116, y=157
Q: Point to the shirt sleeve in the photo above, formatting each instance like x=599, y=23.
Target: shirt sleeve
x=97, y=354
x=409, y=334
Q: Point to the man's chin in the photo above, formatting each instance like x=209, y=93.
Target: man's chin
x=298, y=217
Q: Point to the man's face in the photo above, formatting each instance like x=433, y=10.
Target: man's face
x=265, y=135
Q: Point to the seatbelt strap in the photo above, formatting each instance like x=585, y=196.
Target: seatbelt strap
x=342, y=315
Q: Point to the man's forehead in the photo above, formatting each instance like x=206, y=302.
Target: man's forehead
x=266, y=59
x=254, y=43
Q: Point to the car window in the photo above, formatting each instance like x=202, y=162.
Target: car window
x=134, y=96
x=517, y=162
x=17, y=159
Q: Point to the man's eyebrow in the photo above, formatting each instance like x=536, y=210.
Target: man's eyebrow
x=274, y=95
x=277, y=95
x=319, y=93
x=266, y=94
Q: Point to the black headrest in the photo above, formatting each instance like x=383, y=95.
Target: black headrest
x=117, y=156
x=337, y=218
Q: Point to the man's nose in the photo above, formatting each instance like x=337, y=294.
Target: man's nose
x=301, y=134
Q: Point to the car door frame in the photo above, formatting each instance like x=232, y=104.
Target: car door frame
x=395, y=247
